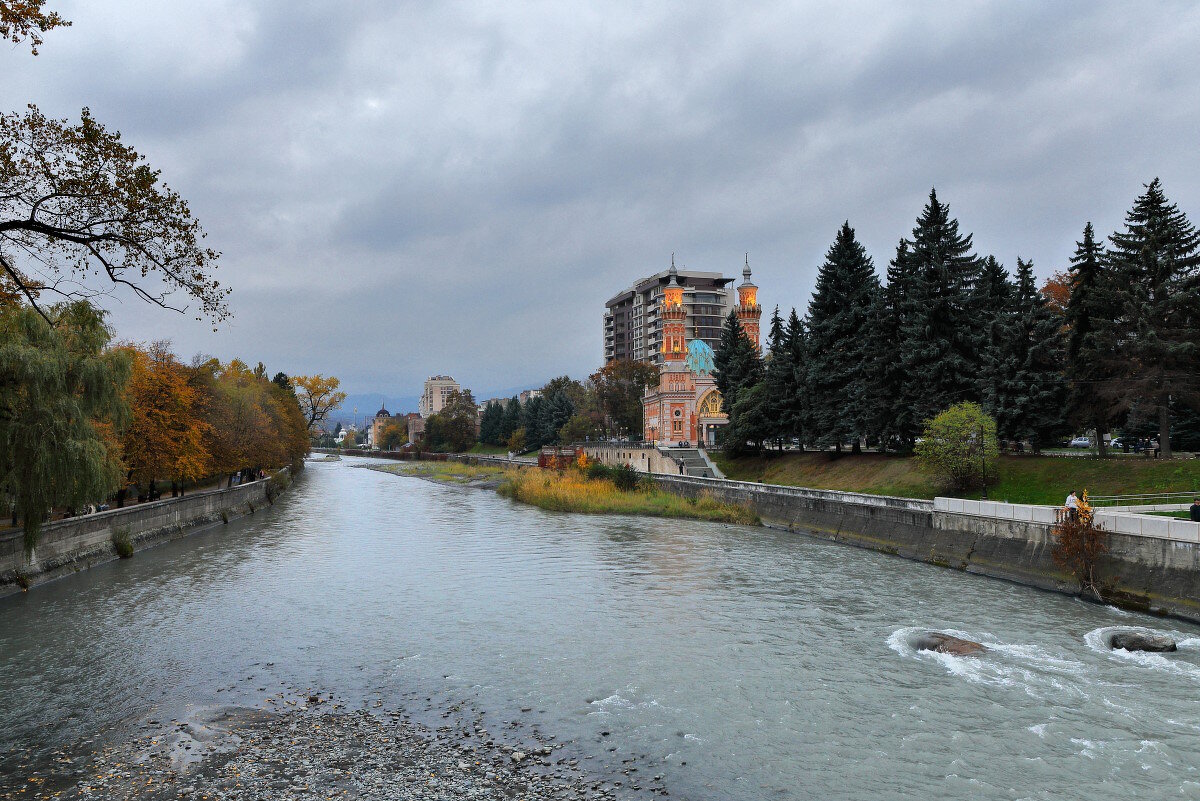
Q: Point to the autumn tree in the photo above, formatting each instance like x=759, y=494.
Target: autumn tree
x=393, y=435
x=25, y=20
x=61, y=406
x=166, y=434
x=1078, y=545
x=318, y=397
x=76, y=202
x=1057, y=292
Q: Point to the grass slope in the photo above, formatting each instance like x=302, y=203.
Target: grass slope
x=1022, y=479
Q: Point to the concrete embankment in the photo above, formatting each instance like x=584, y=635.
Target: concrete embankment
x=1145, y=573
x=77, y=543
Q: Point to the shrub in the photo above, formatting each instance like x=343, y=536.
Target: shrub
x=122, y=543
x=1079, y=542
x=626, y=478
x=959, y=446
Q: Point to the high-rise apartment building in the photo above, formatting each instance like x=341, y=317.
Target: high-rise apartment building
x=437, y=390
x=633, y=324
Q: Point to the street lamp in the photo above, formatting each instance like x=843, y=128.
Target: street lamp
x=983, y=460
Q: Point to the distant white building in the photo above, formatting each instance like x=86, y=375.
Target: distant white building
x=437, y=391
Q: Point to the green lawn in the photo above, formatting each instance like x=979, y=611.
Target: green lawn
x=1021, y=479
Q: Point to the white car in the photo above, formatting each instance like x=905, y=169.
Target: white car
x=1081, y=442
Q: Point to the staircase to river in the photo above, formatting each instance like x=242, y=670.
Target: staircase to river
x=694, y=462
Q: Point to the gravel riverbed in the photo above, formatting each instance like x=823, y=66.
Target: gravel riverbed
x=314, y=748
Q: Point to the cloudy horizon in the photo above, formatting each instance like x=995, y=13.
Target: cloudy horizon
x=407, y=190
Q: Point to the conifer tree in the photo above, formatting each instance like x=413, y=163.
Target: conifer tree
x=794, y=412
x=895, y=423
x=1087, y=317
x=533, y=421
x=1029, y=395
x=738, y=367
x=512, y=419
x=780, y=375
x=1154, y=339
x=736, y=362
x=941, y=335
x=490, y=422
x=994, y=301
x=838, y=326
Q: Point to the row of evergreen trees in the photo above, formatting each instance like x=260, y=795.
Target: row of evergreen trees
x=874, y=362
x=538, y=421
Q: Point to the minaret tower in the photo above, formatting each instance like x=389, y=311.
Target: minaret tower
x=748, y=310
x=674, y=315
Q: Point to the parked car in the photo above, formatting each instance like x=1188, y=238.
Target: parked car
x=1081, y=442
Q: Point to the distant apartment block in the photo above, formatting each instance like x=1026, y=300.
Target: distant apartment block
x=633, y=327
x=437, y=391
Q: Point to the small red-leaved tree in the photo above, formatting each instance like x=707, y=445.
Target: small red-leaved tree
x=1079, y=542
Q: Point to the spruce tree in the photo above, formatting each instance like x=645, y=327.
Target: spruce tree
x=738, y=365
x=994, y=300
x=940, y=330
x=1029, y=399
x=557, y=412
x=1087, y=319
x=533, y=418
x=839, y=338
x=896, y=423
x=490, y=422
x=1154, y=343
x=780, y=373
x=511, y=421
x=794, y=413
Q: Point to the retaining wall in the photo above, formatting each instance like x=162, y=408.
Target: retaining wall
x=1147, y=573
x=77, y=543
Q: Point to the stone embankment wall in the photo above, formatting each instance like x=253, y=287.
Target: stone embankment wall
x=1141, y=572
x=77, y=543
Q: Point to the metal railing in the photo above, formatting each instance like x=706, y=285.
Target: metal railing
x=1145, y=499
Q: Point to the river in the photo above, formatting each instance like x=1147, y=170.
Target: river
x=740, y=663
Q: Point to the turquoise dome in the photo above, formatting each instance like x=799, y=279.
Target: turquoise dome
x=700, y=357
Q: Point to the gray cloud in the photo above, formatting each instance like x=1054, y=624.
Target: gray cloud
x=400, y=190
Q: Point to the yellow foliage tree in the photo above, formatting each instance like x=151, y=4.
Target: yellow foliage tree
x=166, y=434
x=318, y=397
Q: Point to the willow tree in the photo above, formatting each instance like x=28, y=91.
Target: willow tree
x=61, y=406
x=82, y=213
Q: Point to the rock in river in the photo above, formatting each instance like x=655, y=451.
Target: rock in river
x=1138, y=641
x=947, y=644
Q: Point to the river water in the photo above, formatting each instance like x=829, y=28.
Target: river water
x=741, y=663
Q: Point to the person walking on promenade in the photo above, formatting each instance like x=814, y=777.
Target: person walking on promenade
x=1072, y=505
x=1194, y=512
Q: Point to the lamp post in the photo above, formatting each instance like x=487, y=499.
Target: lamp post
x=983, y=460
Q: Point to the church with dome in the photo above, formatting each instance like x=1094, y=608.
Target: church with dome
x=686, y=408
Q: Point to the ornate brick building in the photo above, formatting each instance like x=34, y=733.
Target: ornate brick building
x=686, y=407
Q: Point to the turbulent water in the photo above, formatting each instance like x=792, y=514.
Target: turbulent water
x=740, y=662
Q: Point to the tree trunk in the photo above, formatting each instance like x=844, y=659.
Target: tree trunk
x=1101, y=447
x=1164, y=431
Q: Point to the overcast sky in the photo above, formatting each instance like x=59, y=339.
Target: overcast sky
x=403, y=189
